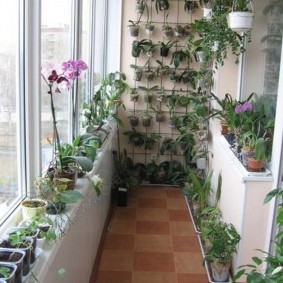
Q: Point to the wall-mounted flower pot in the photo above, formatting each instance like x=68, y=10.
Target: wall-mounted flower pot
x=134, y=31
x=137, y=75
x=241, y=21
x=149, y=75
x=164, y=51
x=168, y=32
x=134, y=97
x=148, y=97
x=207, y=13
x=146, y=121
x=172, y=123
x=134, y=121
x=149, y=29
x=159, y=116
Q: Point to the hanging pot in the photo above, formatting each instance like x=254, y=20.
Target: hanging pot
x=201, y=163
x=241, y=21
x=164, y=51
x=134, y=121
x=146, y=122
x=207, y=13
x=159, y=116
x=137, y=75
x=134, y=31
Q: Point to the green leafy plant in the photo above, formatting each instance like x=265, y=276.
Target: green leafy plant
x=170, y=145
x=5, y=272
x=274, y=266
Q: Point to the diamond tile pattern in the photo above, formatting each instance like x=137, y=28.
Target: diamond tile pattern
x=152, y=240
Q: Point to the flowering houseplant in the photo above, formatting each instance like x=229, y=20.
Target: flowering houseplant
x=71, y=70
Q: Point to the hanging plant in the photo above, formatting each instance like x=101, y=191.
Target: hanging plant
x=161, y=5
x=190, y=6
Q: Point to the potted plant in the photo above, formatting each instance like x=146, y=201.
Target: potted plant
x=138, y=72
x=33, y=207
x=190, y=6
x=267, y=268
x=161, y=5
x=146, y=118
x=207, y=6
x=55, y=194
x=150, y=140
x=179, y=56
x=134, y=28
x=241, y=16
x=148, y=47
x=7, y=272
x=15, y=257
x=137, y=47
x=135, y=138
x=23, y=243
x=148, y=92
x=134, y=120
x=179, y=30
x=224, y=240
x=168, y=31
x=169, y=145
x=165, y=46
x=59, y=166
x=185, y=140
x=134, y=95
x=162, y=70
x=149, y=28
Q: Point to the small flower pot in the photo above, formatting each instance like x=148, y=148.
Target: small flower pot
x=137, y=75
x=149, y=75
x=255, y=165
x=148, y=98
x=16, y=257
x=164, y=51
x=134, y=121
x=12, y=267
x=245, y=154
x=33, y=207
x=149, y=29
x=146, y=122
x=134, y=31
x=169, y=32
x=172, y=123
x=220, y=271
x=159, y=117
x=134, y=97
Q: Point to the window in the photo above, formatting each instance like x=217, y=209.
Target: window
x=11, y=188
x=56, y=36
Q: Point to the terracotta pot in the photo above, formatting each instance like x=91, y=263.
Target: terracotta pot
x=255, y=165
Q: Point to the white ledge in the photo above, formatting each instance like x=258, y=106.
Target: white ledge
x=246, y=175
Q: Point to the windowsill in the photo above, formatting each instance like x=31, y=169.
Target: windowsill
x=72, y=213
x=246, y=175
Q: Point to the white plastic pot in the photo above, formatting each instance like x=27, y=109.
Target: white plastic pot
x=240, y=21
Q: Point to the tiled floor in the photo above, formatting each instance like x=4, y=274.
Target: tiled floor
x=152, y=240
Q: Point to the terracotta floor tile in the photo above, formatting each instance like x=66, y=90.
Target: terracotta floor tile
x=154, y=277
x=113, y=260
x=185, y=244
x=189, y=263
x=153, y=193
x=154, y=243
x=154, y=261
x=193, y=278
x=152, y=227
x=176, y=203
x=122, y=226
x=178, y=215
x=182, y=228
x=132, y=202
x=152, y=203
x=119, y=242
x=114, y=277
x=152, y=214
x=125, y=213
x=175, y=193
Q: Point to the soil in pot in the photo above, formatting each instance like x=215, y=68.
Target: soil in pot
x=69, y=174
x=15, y=257
x=30, y=234
x=33, y=207
x=26, y=247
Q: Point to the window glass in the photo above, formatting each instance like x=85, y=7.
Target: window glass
x=56, y=33
x=9, y=89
